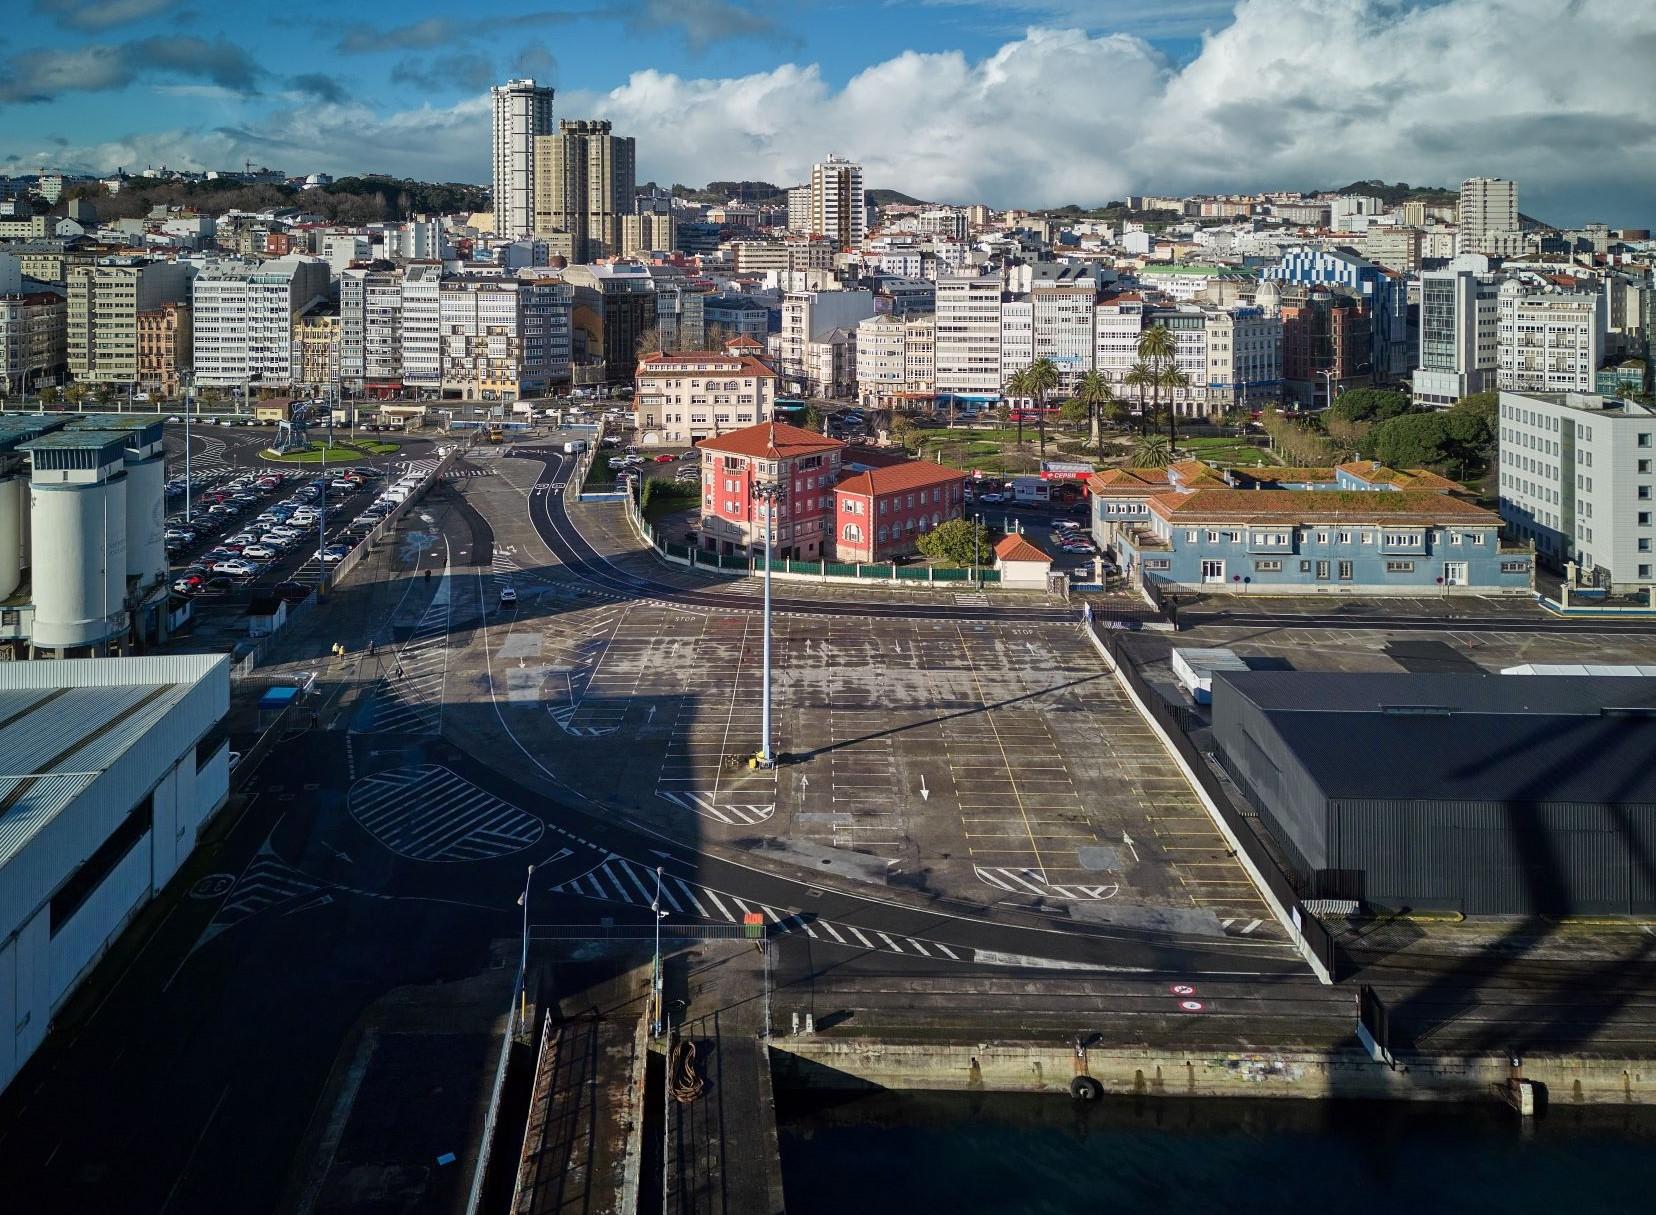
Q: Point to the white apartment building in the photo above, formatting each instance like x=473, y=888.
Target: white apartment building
x=838, y=208
x=522, y=113
x=242, y=318
x=1459, y=335
x=1017, y=338
x=1550, y=341
x=504, y=339
x=968, y=337
x=422, y=343
x=896, y=361
x=680, y=398
x=102, y=315
x=809, y=316
x=1487, y=219
x=370, y=328
x=1231, y=355
x=1578, y=477
x=1061, y=326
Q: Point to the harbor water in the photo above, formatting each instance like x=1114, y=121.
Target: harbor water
x=1020, y=1154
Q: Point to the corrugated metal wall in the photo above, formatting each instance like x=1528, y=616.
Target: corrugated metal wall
x=1492, y=858
x=1290, y=803
x=96, y=921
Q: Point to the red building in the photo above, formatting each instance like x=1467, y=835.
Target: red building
x=879, y=513
x=805, y=466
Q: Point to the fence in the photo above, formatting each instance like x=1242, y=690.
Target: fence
x=1281, y=886
x=821, y=570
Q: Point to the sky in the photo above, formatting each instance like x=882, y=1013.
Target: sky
x=1005, y=102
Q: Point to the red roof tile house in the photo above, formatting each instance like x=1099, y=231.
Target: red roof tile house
x=823, y=512
x=805, y=466
x=1021, y=563
x=879, y=513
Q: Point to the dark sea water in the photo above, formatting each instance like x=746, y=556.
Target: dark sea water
x=1014, y=1154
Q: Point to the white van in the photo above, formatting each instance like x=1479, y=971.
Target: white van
x=575, y=447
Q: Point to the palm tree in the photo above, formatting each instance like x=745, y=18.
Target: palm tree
x=1018, y=385
x=1157, y=348
x=1172, y=378
x=1140, y=377
x=1152, y=451
x=1093, y=391
x=1043, y=378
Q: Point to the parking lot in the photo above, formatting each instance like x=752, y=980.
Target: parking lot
x=987, y=761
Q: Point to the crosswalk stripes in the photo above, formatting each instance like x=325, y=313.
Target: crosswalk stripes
x=1241, y=928
x=706, y=803
x=422, y=467
x=431, y=813
x=409, y=697
x=1029, y=882
x=618, y=880
x=267, y=881
x=970, y=599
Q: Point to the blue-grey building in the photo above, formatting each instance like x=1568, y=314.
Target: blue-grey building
x=1359, y=528
x=1385, y=294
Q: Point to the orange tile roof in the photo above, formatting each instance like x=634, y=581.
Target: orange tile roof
x=896, y=478
x=1318, y=506
x=702, y=362
x=1376, y=473
x=1128, y=480
x=1265, y=472
x=770, y=440
x=1186, y=469
x=1015, y=548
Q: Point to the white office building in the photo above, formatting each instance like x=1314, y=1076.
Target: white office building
x=504, y=339
x=111, y=767
x=1550, y=341
x=242, y=318
x=1578, y=477
x=968, y=343
x=522, y=113
x=1459, y=336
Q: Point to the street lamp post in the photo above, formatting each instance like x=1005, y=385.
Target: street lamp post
x=768, y=493
x=523, y=960
x=656, y=984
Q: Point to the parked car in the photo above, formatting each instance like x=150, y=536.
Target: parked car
x=665, y=458
x=291, y=592
x=333, y=554
x=235, y=567
x=260, y=552
x=508, y=597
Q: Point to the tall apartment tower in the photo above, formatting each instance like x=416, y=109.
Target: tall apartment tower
x=1487, y=220
x=584, y=178
x=1459, y=335
x=522, y=113
x=838, y=210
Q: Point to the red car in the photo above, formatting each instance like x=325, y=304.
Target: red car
x=665, y=459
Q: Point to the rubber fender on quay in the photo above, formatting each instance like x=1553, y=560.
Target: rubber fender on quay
x=1085, y=1088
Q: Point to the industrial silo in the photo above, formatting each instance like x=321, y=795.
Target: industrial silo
x=78, y=517
x=146, y=494
x=13, y=526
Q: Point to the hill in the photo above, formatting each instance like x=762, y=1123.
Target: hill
x=365, y=199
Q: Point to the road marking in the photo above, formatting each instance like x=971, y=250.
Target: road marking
x=431, y=813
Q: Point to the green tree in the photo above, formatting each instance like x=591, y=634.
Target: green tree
x=1043, y=378
x=1157, y=348
x=813, y=416
x=902, y=429
x=1416, y=440
x=1152, y=450
x=1093, y=391
x=1018, y=385
x=1172, y=378
x=1369, y=405
x=956, y=542
x=50, y=395
x=1140, y=377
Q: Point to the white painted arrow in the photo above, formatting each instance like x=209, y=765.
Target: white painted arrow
x=1128, y=840
x=925, y=793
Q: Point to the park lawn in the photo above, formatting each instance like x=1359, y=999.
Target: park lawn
x=1220, y=450
x=339, y=453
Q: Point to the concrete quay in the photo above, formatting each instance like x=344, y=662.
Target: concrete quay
x=1323, y=1074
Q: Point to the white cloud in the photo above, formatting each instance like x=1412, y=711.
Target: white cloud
x=1293, y=93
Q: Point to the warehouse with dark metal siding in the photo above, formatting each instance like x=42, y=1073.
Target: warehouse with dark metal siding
x=1486, y=794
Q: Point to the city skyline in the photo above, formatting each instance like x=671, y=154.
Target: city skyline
x=1394, y=91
